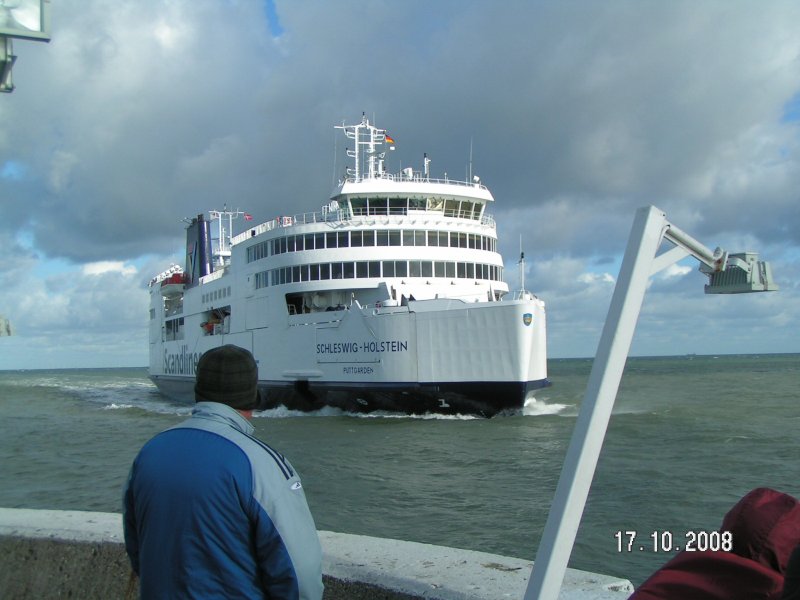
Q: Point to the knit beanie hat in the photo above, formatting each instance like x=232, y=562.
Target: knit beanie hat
x=227, y=375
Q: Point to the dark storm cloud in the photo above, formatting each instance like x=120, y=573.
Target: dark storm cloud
x=139, y=114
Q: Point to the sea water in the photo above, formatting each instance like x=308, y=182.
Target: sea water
x=688, y=437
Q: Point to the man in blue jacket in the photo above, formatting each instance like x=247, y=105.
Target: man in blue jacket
x=212, y=512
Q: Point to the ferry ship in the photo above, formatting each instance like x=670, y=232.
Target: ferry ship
x=391, y=297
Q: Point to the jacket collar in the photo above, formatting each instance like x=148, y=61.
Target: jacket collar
x=222, y=413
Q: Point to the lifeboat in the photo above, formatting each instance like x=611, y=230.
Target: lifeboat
x=173, y=285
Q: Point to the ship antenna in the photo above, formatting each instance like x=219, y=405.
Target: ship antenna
x=335, y=148
x=470, y=159
x=521, y=264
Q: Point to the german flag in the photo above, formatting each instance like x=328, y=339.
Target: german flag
x=389, y=139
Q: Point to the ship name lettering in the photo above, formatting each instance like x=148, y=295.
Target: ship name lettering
x=385, y=346
x=182, y=363
x=337, y=348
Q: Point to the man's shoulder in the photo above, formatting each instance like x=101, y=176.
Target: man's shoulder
x=260, y=454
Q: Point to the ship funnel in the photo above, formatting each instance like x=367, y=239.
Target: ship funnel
x=198, y=250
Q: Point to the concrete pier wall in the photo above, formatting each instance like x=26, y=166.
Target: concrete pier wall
x=74, y=554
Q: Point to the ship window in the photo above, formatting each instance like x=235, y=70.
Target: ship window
x=408, y=238
x=336, y=270
x=383, y=237
x=394, y=237
x=472, y=240
x=479, y=271
x=436, y=204
x=401, y=268
x=319, y=240
x=450, y=269
x=461, y=270
x=417, y=203
x=433, y=238
x=451, y=208
x=309, y=241
x=427, y=268
x=349, y=270
x=299, y=243
x=344, y=239
x=152, y=313
x=174, y=329
x=438, y=269
x=304, y=273
x=359, y=206
x=374, y=268
x=466, y=210
x=414, y=269
x=330, y=239
x=356, y=238
x=378, y=206
x=362, y=269
x=313, y=272
x=290, y=243
x=398, y=206
x=470, y=270
x=388, y=268
x=369, y=238
x=419, y=238
x=462, y=240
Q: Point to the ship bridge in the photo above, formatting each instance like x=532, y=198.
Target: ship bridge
x=368, y=189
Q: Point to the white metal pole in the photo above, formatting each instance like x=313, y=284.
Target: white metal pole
x=569, y=501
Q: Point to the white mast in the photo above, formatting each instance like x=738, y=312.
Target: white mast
x=223, y=251
x=366, y=143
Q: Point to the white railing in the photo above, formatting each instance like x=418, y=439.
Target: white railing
x=416, y=178
x=343, y=215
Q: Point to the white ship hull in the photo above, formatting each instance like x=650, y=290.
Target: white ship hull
x=433, y=355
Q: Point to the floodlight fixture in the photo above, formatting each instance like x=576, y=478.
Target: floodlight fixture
x=25, y=19
x=727, y=273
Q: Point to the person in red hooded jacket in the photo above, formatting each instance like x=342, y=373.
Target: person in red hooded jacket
x=765, y=529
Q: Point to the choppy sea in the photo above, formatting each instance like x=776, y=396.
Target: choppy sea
x=688, y=437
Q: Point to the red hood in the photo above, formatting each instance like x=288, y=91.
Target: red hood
x=766, y=527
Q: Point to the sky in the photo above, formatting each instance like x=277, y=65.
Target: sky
x=138, y=114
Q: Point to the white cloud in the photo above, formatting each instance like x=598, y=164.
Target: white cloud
x=109, y=266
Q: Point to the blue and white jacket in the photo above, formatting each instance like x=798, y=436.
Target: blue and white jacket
x=212, y=512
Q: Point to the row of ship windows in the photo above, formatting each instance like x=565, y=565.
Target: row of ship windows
x=400, y=206
x=379, y=237
x=217, y=295
x=378, y=268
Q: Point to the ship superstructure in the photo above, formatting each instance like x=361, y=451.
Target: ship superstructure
x=391, y=297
